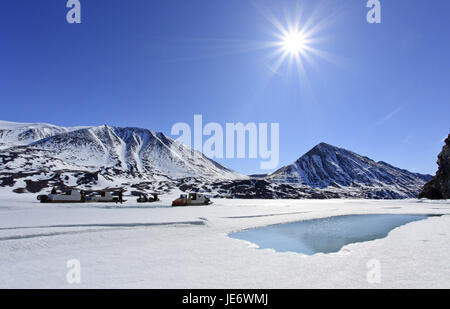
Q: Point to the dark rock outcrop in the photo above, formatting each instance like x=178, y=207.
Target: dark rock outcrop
x=439, y=187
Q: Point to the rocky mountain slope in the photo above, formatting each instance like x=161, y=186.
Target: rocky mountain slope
x=324, y=172
x=439, y=186
x=132, y=149
x=100, y=157
x=327, y=166
x=36, y=157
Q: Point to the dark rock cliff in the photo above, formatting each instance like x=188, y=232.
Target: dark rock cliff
x=439, y=186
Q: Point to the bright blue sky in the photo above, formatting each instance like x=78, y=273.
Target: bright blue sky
x=385, y=94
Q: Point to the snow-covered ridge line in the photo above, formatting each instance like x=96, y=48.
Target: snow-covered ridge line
x=44, y=155
x=114, y=156
x=20, y=134
x=326, y=166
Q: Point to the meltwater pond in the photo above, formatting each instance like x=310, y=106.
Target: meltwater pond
x=326, y=235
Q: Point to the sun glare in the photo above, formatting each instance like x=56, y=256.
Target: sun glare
x=293, y=46
x=297, y=32
x=294, y=42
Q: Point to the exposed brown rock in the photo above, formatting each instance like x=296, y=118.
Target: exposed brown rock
x=439, y=187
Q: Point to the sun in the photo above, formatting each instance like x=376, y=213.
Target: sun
x=296, y=39
x=294, y=45
x=294, y=42
x=298, y=33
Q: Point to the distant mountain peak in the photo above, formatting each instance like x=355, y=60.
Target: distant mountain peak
x=326, y=165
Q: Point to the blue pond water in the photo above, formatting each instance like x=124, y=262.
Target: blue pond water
x=325, y=235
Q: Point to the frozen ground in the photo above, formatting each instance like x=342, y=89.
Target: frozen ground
x=156, y=246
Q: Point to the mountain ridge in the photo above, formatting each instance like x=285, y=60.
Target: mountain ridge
x=326, y=166
x=141, y=159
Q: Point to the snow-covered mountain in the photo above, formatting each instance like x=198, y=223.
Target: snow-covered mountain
x=100, y=157
x=18, y=134
x=327, y=166
x=36, y=157
x=131, y=149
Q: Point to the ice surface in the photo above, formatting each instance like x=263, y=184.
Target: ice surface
x=156, y=246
